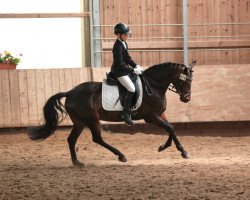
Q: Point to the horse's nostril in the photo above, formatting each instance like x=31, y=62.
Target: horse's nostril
x=187, y=99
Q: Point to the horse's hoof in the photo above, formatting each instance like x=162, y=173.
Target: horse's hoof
x=161, y=148
x=123, y=159
x=185, y=155
x=78, y=164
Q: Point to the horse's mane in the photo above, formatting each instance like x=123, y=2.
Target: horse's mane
x=165, y=67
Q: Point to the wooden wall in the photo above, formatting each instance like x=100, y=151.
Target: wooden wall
x=170, y=12
x=218, y=94
x=23, y=93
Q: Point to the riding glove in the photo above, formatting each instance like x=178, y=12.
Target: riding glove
x=137, y=71
x=139, y=67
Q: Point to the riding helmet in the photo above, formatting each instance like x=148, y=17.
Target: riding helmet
x=121, y=28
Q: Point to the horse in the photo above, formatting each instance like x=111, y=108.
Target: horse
x=83, y=104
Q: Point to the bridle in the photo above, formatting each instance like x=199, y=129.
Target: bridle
x=184, y=78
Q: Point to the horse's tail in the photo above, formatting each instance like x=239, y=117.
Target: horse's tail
x=54, y=113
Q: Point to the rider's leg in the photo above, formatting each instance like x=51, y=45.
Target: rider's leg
x=128, y=84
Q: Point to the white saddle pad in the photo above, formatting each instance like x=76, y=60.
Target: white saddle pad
x=110, y=95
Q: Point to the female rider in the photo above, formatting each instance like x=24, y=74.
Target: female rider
x=122, y=66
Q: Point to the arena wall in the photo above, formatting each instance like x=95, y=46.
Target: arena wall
x=219, y=93
x=218, y=30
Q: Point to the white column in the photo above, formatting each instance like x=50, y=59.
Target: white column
x=95, y=32
x=185, y=34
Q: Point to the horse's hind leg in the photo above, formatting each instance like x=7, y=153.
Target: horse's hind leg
x=179, y=147
x=94, y=126
x=75, y=133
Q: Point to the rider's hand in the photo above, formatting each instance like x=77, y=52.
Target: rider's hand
x=137, y=71
x=139, y=67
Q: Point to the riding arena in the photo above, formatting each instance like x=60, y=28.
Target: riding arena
x=61, y=132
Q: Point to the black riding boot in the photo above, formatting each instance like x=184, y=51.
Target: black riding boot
x=126, y=114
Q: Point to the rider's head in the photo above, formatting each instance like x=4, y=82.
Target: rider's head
x=122, y=31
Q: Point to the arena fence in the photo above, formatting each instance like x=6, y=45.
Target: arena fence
x=217, y=95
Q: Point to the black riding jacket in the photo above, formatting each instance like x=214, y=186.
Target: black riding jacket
x=121, y=60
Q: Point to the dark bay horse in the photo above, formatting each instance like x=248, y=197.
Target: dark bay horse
x=84, y=106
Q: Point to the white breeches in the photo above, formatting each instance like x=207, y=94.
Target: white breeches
x=127, y=83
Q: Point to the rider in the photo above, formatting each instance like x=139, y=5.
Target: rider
x=122, y=66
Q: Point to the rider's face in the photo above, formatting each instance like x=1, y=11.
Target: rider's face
x=124, y=37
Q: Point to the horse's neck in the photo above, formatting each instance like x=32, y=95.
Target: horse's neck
x=158, y=84
x=161, y=75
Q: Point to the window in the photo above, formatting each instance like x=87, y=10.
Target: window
x=44, y=42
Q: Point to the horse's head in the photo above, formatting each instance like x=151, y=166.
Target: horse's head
x=182, y=81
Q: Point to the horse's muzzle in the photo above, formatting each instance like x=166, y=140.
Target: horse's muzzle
x=186, y=98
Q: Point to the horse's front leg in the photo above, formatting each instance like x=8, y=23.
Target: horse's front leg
x=167, y=144
x=169, y=141
x=158, y=121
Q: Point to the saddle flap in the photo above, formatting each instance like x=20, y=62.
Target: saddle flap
x=111, y=97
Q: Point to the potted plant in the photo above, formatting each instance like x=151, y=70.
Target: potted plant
x=8, y=61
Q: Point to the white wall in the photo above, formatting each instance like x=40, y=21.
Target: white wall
x=44, y=43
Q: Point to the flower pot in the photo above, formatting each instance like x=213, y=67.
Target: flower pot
x=7, y=66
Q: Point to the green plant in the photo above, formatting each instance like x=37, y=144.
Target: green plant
x=6, y=57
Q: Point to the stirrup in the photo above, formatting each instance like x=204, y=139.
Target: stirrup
x=127, y=119
x=130, y=122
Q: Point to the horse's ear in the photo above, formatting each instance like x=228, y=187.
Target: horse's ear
x=192, y=64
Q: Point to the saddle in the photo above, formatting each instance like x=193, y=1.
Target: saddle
x=113, y=93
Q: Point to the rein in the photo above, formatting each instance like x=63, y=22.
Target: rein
x=149, y=89
x=182, y=77
x=147, y=86
x=171, y=87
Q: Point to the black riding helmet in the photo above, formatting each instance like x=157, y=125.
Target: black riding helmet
x=121, y=28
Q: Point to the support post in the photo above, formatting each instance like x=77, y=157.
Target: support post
x=95, y=32
x=85, y=24
x=185, y=34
